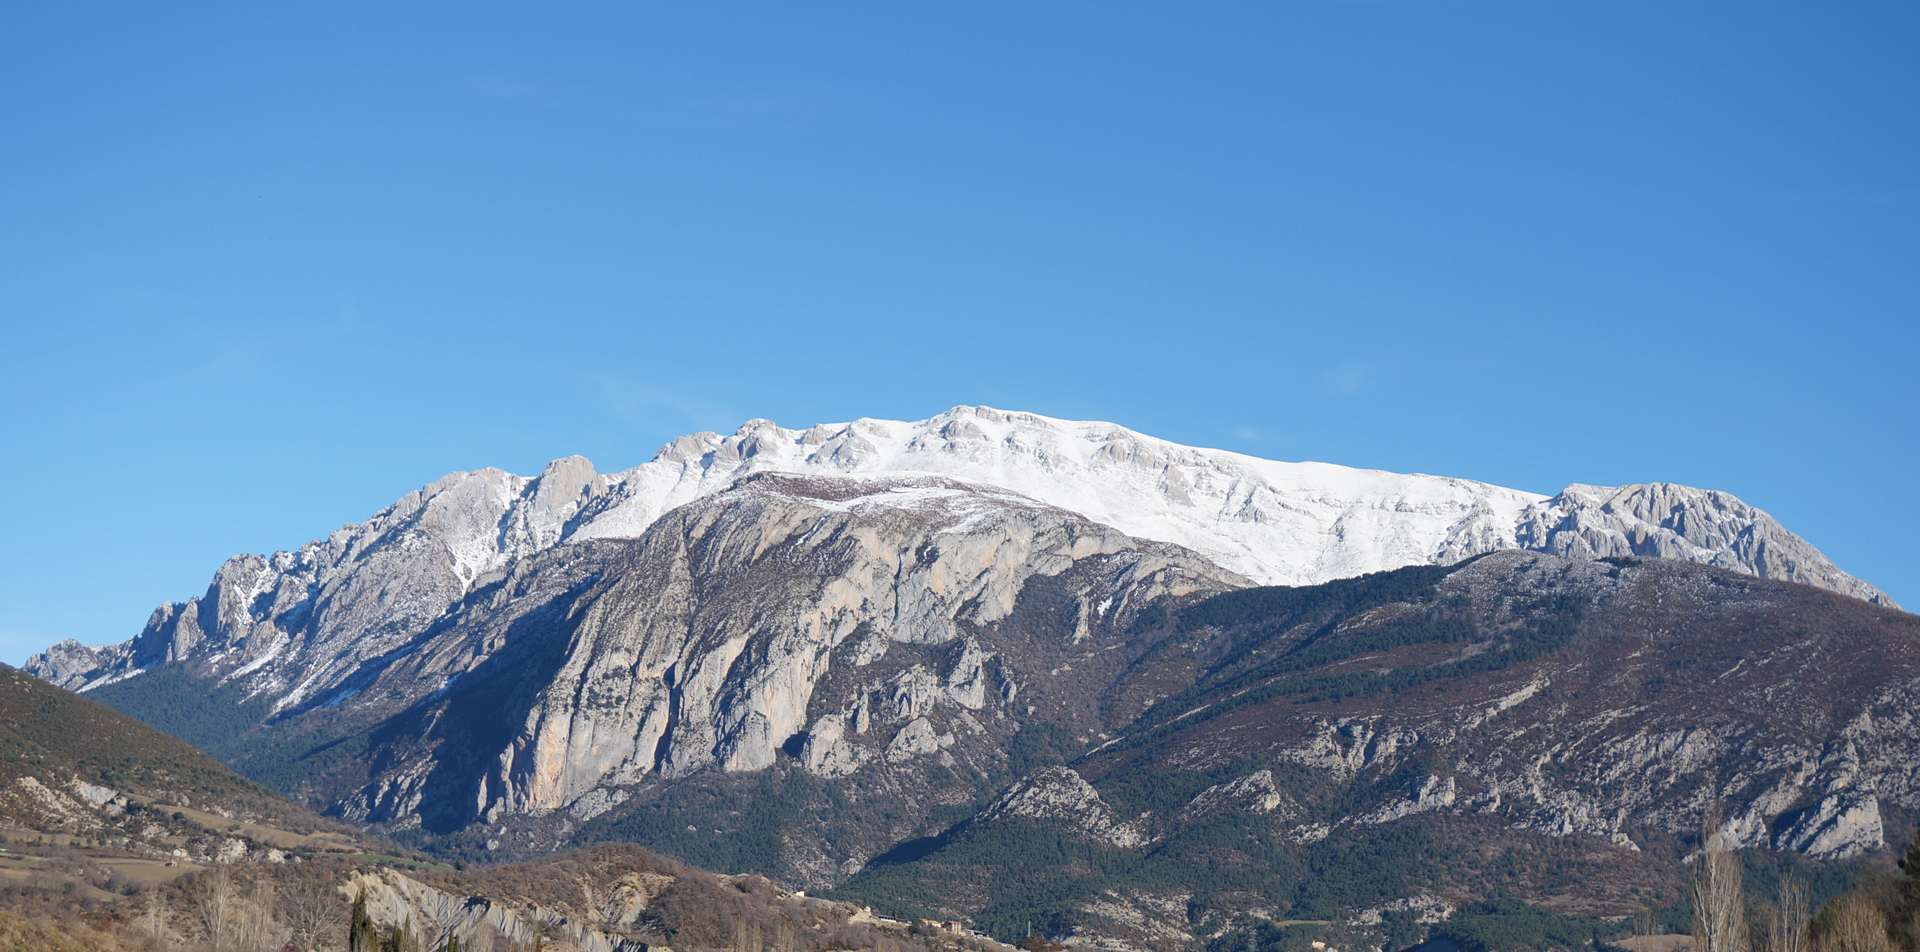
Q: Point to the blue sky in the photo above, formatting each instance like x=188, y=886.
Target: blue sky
x=265, y=268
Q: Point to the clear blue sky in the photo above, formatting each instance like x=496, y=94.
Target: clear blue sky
x=264, y=268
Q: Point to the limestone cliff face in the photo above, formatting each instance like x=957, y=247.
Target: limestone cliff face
x=1059, y=796
x=615, y=902
x=705, y=644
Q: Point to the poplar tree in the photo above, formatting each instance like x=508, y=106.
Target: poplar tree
x=361, y=935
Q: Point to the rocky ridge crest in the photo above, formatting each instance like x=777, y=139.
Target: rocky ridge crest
x=368, y=588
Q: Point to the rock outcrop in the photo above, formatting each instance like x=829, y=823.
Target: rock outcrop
x=1060, y=797
x=1664, y=521
x=394, y=899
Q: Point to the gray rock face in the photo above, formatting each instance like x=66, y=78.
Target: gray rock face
x=739, y=625
x=1664, y=521
x=1059, y=796
x=68, y=663
x=299, y=623
x=705, y=649
x=395, y=900
x=1253, y=793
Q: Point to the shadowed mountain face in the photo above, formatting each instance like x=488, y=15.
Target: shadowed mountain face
x=1519, y=725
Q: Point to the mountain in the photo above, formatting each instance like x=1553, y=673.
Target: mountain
x=905, y=660
x=865, y=627
x=1427, y=739
x=309, y=616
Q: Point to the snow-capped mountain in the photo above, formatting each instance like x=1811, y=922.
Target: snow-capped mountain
x=842, y=637
x=368, y=588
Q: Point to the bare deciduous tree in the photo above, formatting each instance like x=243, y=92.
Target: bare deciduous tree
x=1643, y=922
x=314, y=912
x=481, y=939
x=1855, y=924
x=1789, y=933
x=1719, y=903
x=254, y=928
x=215, y=907
x=153, y=921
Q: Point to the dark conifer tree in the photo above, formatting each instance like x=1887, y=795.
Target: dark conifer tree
x=361, y=935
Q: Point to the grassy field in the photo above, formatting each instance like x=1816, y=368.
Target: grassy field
x=148, y=872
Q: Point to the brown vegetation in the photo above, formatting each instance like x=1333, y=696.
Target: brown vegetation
x=262, y=907
x=1882, y=914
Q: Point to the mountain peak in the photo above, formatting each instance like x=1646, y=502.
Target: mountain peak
x=365, y=587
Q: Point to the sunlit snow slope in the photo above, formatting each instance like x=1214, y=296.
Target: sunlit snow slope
x=1278, y=523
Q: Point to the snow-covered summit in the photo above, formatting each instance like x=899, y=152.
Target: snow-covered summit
x=1278, y=523
x=367, y=588
x=1275, y=522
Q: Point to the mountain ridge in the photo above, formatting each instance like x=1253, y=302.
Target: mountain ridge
x=1520, y=724
x=1274, y=522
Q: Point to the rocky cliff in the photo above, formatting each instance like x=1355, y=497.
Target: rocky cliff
x=851, y=621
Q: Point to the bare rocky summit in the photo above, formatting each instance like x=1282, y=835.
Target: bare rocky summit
x=1665, y=521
